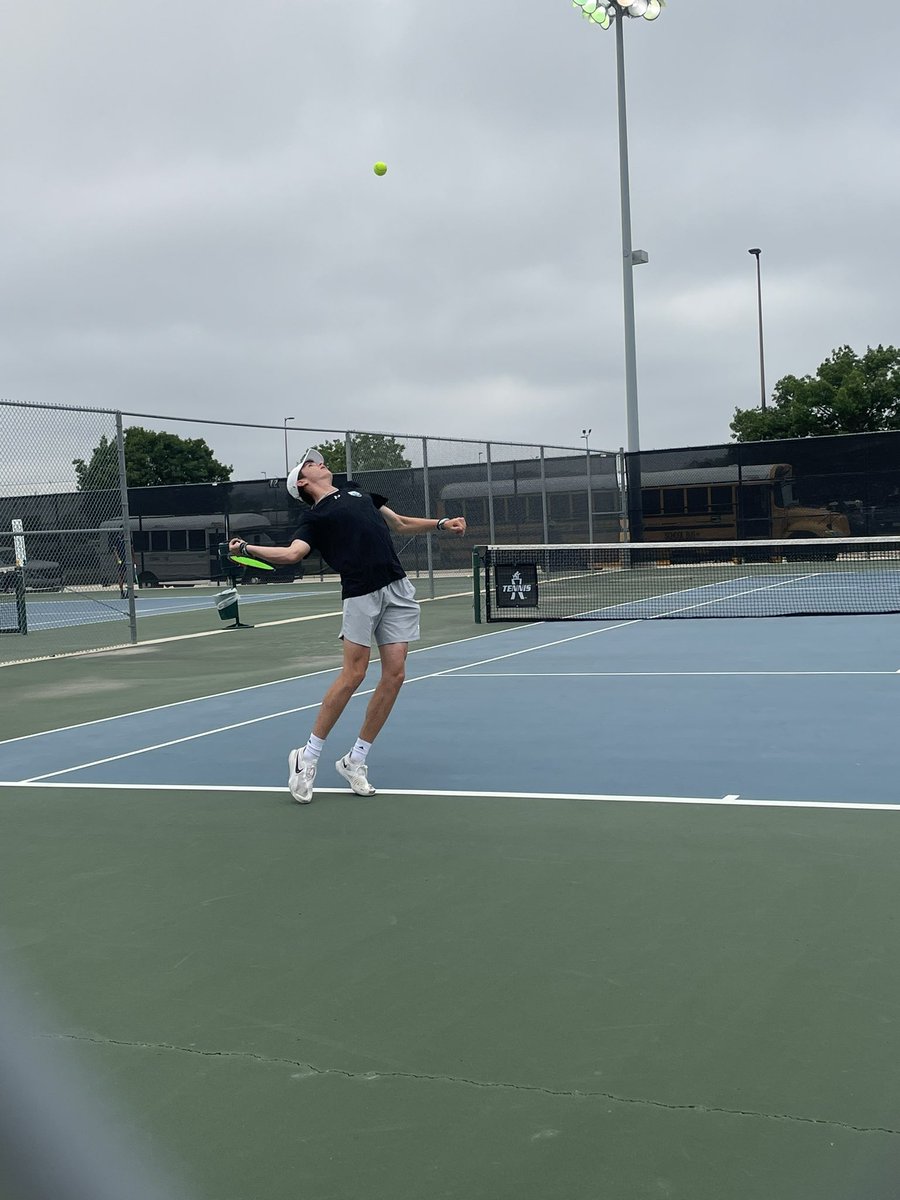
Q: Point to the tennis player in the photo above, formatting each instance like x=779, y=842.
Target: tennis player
x=352, y=531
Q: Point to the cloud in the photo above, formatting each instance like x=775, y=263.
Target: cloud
x=192, y=224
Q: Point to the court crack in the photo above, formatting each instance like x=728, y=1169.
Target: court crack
x=462, y=1080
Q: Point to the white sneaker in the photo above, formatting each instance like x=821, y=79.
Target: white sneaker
x=302, y=777
x=356, y=775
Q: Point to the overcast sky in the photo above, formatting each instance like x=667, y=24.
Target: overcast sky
x=191, y=223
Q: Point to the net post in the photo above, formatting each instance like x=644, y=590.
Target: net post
x=19, y=582
x=476, y=582
x=21, y=608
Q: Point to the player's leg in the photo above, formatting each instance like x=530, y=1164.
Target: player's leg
x=397, y=626
x=393, y=672
x=360, y=615
x=393, y=675
x=353, y=672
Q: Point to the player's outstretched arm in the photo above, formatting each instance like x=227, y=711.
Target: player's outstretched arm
x=278, y=556
x=412, y=525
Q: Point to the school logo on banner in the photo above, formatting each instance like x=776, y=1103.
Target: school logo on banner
x=517, y=586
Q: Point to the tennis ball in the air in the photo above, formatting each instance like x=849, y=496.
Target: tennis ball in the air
x=380, y=168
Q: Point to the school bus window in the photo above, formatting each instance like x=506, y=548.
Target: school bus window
x=559, y=507
x=753, y=501
x=197, y=539
x=475, y=512
x=721, y=499
x=784, y=494
x=159, y=539
x=650, y=502
x=140, y=541
x=673, y=501
x=178, y=539
x=697, y=499
x=579, y=504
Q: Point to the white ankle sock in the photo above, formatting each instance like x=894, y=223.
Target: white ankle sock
x=313, y=748
x=359, y=751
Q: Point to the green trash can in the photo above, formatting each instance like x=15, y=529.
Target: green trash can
x=227, y=605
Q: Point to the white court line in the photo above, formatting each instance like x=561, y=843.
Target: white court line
x=747, y=592
x=163, y=608
x=731, y=801
x=543, y=646
x=250, y=687
x=591, y=613
x=643, y=674
x=664, y=596
x=706, y=603
x=193, y=737
x=185, y=637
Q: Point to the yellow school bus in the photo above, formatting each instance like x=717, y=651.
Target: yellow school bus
x=728, y=503
x=697, y=504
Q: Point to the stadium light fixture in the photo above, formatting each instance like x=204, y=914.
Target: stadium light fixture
x=605, y=13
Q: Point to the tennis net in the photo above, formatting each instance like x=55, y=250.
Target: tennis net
x=654, y=580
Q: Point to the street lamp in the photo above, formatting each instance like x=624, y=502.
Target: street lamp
x=287, y=467
x=605, y=13
x=762, y=361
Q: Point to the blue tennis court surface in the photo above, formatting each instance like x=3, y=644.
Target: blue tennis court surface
x=775, y=710
x=81, y=609
x=812, y=592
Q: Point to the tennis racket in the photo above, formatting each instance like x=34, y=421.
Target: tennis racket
x=243, y=559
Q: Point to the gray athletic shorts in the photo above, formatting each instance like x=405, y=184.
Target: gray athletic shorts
x=389, y=615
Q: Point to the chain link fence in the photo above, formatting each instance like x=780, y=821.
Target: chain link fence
x=841, y=486
x=66, y=581
x=80, y=550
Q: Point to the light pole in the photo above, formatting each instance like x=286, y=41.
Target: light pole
x=762, y=361
x=586, y=433
x=287, y=466
x=604, y=13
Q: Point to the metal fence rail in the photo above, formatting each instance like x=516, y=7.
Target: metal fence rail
x=90, y=541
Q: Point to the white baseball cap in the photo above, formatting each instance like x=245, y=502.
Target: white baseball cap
x=310, y=455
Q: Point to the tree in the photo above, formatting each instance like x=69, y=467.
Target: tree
x=848, y=394
x=150, y=459
x=369, y=452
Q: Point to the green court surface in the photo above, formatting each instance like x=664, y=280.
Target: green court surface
x=470, y=998
x=459, y=996
x=195, y=654
x=74, y=622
